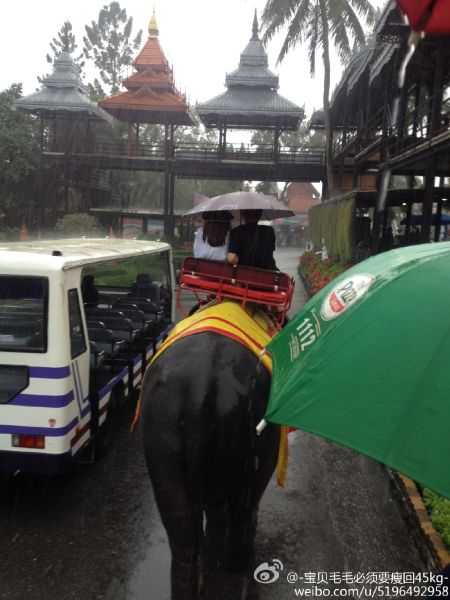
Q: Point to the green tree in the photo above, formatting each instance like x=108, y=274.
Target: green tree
x=78, y=224
x=268, y=187
x=302, y=138
x=19, y=158
x=65, y=42
x=315, y=22
x=108, y=44
x=95, y=91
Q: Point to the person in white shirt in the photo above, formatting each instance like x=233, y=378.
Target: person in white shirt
x=211, y=240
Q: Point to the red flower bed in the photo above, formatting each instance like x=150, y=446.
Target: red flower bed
x=317, y=272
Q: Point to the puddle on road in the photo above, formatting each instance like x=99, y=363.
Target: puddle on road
x=151, y=576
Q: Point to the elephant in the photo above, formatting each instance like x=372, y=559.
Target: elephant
x=201, y=400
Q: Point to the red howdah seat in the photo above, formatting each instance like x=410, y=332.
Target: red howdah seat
x=206, y=278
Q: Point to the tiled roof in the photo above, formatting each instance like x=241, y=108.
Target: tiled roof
x=149, y=77
x=301, y=196
x=151, y=54
x=145, y=98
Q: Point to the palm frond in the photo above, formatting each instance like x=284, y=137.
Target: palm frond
x=296, y=31
x=341, y=40
x=366, y=10
x=353, y=24
x=276, y=15
x=314, y=36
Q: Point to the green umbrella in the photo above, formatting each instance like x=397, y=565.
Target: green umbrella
x=366, y=363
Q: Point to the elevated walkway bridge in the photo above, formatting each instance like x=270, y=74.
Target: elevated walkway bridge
x=209, y=161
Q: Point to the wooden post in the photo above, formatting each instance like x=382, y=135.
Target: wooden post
x=172, y=143
x=166, y=202
x=221, y=153
x=166, y=184
x=368, y=110
x=383, y=178
x=409, y=208
x=437, y=226
x=171, y=208
x=275, y=144
x=437, y=93
x=427, y=206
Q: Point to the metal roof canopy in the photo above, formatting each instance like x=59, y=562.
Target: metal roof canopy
x=251, y=100
x=63, y=93
x=76, y=252
x=132, y=212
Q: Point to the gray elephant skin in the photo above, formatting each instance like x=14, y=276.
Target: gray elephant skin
x=201, y=400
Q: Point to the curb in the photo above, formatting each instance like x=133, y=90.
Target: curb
x=433, y=538
x=424, y=535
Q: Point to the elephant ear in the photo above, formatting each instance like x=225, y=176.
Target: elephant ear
x=430, y=16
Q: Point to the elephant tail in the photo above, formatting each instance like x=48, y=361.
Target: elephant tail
x=196, y=442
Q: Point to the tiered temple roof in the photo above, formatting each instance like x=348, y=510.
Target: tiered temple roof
x=63, y=94
x=251, y=100
x=151, y=95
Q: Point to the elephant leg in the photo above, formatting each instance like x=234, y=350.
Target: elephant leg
x=215, y=534
x=184, y=573
x=241, y=533
x=176, y=509
x=244, y=499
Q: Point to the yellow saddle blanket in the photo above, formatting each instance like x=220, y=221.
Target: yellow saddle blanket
x=251, y=327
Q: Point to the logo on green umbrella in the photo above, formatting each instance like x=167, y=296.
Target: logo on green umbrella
x=345, y=294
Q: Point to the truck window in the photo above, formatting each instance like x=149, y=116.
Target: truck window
x=23, y=313
x=77, y=339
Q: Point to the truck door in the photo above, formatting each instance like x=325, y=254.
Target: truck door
x=79, y=367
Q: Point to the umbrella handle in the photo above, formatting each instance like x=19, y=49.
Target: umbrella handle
x=261, y=426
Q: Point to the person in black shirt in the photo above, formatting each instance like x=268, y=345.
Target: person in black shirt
x=251, y=244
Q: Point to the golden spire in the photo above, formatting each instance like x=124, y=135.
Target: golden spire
x=153, y=27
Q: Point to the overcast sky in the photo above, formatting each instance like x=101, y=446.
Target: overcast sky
x=202, y=39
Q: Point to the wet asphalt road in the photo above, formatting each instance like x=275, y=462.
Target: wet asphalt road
x=96, y=534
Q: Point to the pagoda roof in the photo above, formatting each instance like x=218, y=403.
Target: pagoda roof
x=147, y=105
x=150, y=78
x=251, y=100
x=63, y=93
x=152, y=53
x=151, y=95
x=242, y=108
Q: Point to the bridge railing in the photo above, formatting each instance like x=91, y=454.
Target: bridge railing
x=211, y=152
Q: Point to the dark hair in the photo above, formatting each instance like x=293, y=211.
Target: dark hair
x=217, y=215
x=215, y=232
x=252, y=214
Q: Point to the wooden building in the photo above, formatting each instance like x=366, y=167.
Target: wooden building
x=391, y=143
